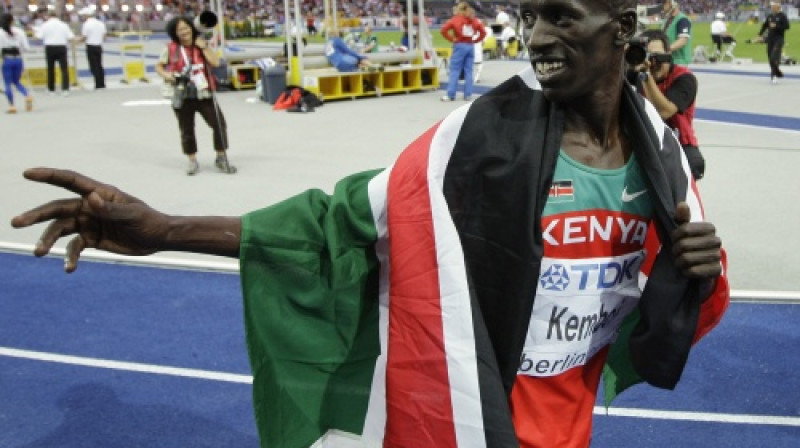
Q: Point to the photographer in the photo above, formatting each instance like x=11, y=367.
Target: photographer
x=184, y=64
x=671, y=88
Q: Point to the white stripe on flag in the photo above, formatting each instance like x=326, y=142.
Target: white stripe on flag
x=375, y=420
x=459, y=337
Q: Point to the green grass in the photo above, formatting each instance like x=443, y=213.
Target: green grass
x=701, y=35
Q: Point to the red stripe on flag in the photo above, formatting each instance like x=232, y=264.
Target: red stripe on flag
x=419, y=411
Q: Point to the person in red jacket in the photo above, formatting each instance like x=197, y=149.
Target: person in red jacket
x=672, y=89
x=463, y=30
x=186, y=63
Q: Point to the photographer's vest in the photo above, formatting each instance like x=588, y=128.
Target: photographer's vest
x=680, y=121
x=683, y=55
x=176, y=62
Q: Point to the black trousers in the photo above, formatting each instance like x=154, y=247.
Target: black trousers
x=206, y=109
x=53, y=54
x=774, y=53
x=94, y=53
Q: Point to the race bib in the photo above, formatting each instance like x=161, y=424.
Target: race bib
x=579, y=307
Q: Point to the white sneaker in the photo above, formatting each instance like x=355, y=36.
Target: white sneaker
x=774, y=80
x=446, y=98
x=193, y=167
x=65, y=93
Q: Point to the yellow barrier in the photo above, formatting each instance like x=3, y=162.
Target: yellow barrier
x=133, y=70
x=37, y=76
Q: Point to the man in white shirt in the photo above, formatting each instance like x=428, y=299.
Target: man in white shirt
x=55, y=36
x=507, y=37
x=720, y=35
x=502, y=16
x=93, y=32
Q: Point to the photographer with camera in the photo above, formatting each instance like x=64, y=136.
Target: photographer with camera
x=184, y=64
x=670, y=87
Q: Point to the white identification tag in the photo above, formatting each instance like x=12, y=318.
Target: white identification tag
x=198, y=77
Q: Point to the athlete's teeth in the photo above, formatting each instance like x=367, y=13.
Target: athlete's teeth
x=547, y=67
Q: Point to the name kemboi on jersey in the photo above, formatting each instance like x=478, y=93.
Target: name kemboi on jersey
x=594, y=227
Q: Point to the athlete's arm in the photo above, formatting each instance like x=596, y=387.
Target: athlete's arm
x=105, y=218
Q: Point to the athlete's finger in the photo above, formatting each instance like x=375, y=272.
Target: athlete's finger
x=54, y=231
x=74, y=249
x=52, y=210
x=67, y=179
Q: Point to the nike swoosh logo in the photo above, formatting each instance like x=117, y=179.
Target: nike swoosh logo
x=629, y=197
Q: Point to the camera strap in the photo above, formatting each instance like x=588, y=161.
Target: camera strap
x=196, y=72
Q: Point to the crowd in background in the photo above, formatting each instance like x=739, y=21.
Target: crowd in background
x=380, y=13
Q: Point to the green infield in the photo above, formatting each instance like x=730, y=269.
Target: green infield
x=743, y=32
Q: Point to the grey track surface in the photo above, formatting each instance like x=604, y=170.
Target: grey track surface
x=751, y=190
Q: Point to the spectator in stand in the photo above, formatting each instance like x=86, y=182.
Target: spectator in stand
x=775, y=27
x=679, y=31
x=463, y=29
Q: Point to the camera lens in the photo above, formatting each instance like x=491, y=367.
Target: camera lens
x=635, y=55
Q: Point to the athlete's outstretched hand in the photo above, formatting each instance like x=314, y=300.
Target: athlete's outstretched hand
x=696, y=246
x=102, y=217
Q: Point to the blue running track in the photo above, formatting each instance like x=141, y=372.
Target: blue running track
x=85, y=358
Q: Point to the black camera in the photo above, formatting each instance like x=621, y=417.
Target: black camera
x=181, y=88
x=659, y=58
x=636, y=53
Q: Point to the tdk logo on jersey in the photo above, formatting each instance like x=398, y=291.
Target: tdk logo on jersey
x=594, y=276
x=555, y=278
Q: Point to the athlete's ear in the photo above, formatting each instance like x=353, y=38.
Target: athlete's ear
x=628, y=21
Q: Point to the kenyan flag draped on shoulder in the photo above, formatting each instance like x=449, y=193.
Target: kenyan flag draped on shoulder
x=393, y=311
x=332, y=365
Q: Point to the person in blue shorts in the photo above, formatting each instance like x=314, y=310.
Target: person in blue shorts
x=343, y=58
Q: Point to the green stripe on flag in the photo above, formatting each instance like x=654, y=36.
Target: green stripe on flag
x=310, y=285
x=619, y=373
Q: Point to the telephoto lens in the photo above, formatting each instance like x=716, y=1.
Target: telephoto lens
x=636, y=51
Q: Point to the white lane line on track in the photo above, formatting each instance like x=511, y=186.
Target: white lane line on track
x=146, y=103
x=246, y=379
x=126, y=366
x=700, y=416
x=232, y=266
x=157, y=261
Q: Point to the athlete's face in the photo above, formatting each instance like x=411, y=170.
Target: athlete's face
x=573, y=45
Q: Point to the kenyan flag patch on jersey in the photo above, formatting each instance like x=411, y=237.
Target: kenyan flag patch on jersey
x=562, y=191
